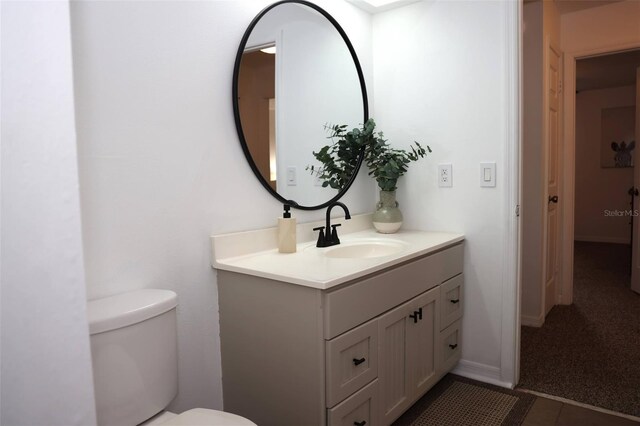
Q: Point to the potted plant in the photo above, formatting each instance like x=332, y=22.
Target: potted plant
x=386, y=165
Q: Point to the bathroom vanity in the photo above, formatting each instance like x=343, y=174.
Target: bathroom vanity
x=322, y=338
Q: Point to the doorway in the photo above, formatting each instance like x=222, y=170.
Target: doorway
x=605, y=151
x=605, y=121
x=584, y=352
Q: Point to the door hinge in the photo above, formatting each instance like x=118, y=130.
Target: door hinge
x=517, y=210
x=559, y=86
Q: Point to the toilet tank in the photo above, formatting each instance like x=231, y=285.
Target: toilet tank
x=134, y=353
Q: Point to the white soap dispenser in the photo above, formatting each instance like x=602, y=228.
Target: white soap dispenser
x=286, y=232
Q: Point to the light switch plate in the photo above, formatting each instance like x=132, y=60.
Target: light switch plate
x=292, y=178
x=487, y=174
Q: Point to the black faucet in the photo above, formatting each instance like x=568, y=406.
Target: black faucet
x=330, y=238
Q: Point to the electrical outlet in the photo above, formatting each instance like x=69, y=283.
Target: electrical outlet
x=445, y=175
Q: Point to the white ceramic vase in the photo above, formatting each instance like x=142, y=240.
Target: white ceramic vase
x=387, y=218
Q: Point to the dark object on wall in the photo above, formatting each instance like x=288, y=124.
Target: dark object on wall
x=623, y=157
x=617, y=124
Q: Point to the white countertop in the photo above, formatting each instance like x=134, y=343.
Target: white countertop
x=310, y=267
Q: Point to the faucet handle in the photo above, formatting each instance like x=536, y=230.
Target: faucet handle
x=334, y=234
x=322, y=242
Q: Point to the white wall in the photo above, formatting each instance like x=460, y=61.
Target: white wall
x=440, y=78
x=599, y=189
x=46, y=364
x=161, y=168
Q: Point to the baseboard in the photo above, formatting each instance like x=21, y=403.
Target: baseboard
x=531, y=321
x=595, y=239
x=481, y=372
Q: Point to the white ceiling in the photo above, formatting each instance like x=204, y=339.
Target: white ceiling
x=376, y=6
x=606, y=71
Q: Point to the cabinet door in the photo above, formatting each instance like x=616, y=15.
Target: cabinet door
x=407, y=357
x=392, y=363
x=422, y=334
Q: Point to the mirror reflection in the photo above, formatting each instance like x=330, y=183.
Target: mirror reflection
x=296, y=76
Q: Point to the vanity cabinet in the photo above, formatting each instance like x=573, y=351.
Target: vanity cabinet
x=361, y=352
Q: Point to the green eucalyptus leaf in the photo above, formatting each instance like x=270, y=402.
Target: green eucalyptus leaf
x=385, y=164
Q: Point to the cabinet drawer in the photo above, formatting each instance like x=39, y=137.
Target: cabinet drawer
x=449, y=347
x=451, y=301
x=359, y=409
x=351, y=361
x=354, y=304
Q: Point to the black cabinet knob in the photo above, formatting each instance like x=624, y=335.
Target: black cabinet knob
x=454, y=301
x=357, y=361
x=453, y=346
x=362, y=423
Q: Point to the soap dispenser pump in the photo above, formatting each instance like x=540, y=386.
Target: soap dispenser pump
x=287, y=232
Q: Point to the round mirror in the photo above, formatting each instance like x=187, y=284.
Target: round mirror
x=296, y=74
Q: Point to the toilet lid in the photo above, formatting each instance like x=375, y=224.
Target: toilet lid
x=204, y=417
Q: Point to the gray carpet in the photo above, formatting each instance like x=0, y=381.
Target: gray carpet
x=590, y=351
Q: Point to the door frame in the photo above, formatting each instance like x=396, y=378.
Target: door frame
x=509, y=371
x=635, y=220
x=569, y=158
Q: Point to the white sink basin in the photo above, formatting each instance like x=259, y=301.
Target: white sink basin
x=364, y=249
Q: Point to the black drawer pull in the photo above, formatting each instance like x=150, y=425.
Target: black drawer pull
x=454, y=301
x=362, y=423
x=453, y=346
x=358, y=361
x=416, y=315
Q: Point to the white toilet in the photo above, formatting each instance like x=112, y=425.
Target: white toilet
x=135, y=362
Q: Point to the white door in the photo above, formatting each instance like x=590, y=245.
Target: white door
x=552, y=220
x=635, y=249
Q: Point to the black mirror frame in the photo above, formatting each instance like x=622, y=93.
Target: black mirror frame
x=236, y=108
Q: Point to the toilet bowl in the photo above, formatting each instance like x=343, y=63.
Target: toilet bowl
x=196, y=417
x=135, y=362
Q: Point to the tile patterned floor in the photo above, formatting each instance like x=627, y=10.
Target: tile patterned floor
x=548, y=412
